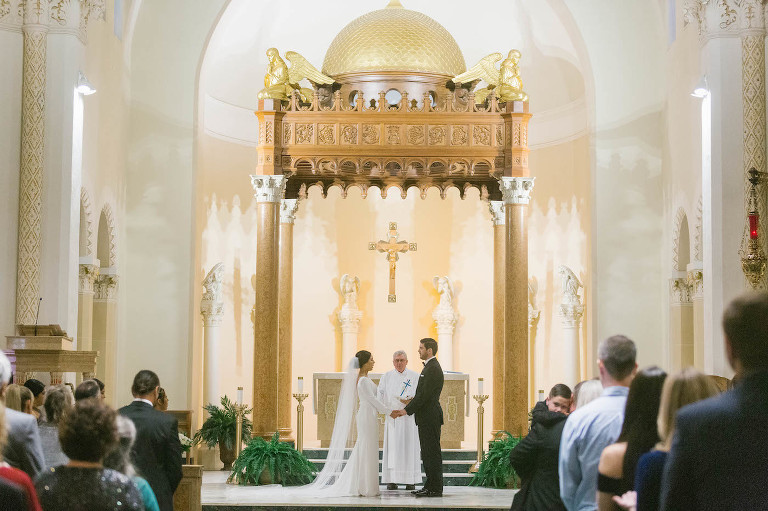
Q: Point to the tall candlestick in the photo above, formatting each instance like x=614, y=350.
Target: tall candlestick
x=239, y=395
x=480, y=386
x=301, y=384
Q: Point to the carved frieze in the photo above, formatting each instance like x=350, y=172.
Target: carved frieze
x=415, y=135
x=286, y=133
x=393, y=134
x=459, y=135
x=481, y=135
x=437, y=135
x=499, y=134
x=370, y=134
x=349, y=134
x=304, y=133
x=326, y=134
x=269, y=131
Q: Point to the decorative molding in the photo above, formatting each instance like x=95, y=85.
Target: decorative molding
x=212, y=303
x=496, y=207
x=288, y=209
x=269, y=188
x=85, y=204
x=571, y=314
x=516, y=190
x=87, y=277
x=111, y=232
x=680, y=291
x=714, y=18
x=105, y=287
x=679, y=218
x=698, y=238
x=695, y=279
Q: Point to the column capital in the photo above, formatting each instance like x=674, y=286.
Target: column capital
x=516, y=190
x=87, y=276
x=288, y=209
x=212, y=304
x=724, y=17
x=571, y=314
x=105, y=287
x=268, y=188
x=533, y=316
x=496, y=207
x=696, y=283
x=680, y=290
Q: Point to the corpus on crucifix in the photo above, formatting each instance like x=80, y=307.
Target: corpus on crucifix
x=392, y=246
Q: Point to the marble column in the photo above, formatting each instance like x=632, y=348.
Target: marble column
x=268, y=191
x=445, y=319
x=516, y=192
x=105, y=330
x=349, y=317
x=33, y=106
x=499, y=235
x=571, y=311
x=86, y=280
x=212, y=310
x=288, y=208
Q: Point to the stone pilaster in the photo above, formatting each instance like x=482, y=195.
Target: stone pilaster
x=288, y=209
x=498, y=216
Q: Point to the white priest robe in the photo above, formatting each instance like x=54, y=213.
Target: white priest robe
x=401, y=460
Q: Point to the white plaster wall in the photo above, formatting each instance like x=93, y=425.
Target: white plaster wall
x=11, y=55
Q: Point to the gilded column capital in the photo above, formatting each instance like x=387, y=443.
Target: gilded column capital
x=717, y=18
x=680, y=291
x=496, y=207
x=212, y=304
x=268, y=188
x=516, y=190
x=696, y=283
x=288, y=209
x=87, y=277
x=105, y=287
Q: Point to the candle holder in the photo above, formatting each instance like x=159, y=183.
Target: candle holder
x=300, y=421
x=480, y=452
x=239, y=414
x=753, y=259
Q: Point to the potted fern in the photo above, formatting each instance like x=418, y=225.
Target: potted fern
x=219, y=429
x=495, y=471
x=263, y=462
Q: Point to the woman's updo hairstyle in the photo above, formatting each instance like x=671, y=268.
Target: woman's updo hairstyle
x=363, y=356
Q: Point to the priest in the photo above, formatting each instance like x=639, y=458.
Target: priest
x=401, y=461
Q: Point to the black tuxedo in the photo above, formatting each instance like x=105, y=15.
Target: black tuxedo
x=157, y=451
x=719, y=451
x=429, y=418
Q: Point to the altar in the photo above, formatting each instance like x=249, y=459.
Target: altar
x=454, y=400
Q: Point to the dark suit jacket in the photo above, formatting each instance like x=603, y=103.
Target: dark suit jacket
x=12, y=497
x=719, y=452
x=426, y=401
x=535, y=461
x=157, y=451
x=23, y=449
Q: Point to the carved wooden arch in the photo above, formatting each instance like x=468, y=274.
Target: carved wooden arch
x=680, y=217
x=86, y=224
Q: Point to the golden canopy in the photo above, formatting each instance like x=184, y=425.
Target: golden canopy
x=394, y=39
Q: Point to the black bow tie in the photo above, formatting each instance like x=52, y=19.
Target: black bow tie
x=424, y=364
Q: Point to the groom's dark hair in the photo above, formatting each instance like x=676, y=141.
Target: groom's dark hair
x=429, y=343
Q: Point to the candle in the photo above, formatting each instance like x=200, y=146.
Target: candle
x=480, y=386
x=239, y=395
x=753, y=221
x=541, y=395
x=301, y=384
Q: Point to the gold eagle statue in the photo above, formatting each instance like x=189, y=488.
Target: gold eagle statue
x=505, y=81
x=280, y=80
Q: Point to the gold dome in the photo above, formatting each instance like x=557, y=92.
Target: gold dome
x=394, y=39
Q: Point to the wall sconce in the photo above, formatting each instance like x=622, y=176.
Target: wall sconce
x=702, y=88
x=753, y=258
x=84, y=87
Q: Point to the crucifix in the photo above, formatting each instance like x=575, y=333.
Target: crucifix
x=392, y=246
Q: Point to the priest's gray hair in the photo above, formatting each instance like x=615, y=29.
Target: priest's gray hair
x=399, y=352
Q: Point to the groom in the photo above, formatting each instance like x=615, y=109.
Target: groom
x=429, y=418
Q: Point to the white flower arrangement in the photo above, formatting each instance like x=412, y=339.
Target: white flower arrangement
x=186, y=442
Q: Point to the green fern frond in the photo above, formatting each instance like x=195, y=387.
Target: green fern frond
x=285, y=465
x=495, y=470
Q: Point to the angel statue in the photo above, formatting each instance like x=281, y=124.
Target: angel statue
x=444, y=288
x=280, y=81
x=349, y=287
x=505, y=81
x=571, y=285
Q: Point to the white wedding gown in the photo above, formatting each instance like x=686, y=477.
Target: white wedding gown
x=360, y=476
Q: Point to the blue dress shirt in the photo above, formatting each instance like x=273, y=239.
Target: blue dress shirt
x=587, y=432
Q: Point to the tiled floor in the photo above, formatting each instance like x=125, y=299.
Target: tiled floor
x=217, y=495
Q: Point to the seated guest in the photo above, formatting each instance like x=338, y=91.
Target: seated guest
x=27, y=498
x=38, y=390
x=718, y=454
x=22, y=449
x=87, y=434
x=87, y=390
x=13, y=397
x=120, y=459
x=27, y=399
x=101, y=388
x=57, y=403
x=680, y=389
x=162, y=400
x=616, y=470
x=535, y=457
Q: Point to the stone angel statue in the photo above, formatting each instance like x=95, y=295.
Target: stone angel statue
x=505, y=81
x=444, y=288
x=280, y=80
x=349, y=287
x=571, y=285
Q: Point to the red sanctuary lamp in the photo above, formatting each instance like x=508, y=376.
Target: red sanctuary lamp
x=753, y=259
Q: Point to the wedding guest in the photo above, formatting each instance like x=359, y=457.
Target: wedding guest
x=87, y=434
x=162, y=400
x=120, y=459
x=592, y=427
x=718, y=454
x=27, y=498
x=38, y=390
x=616, y=471
x=680, y=389
x=101, y=388
x=535, y=457
x=57, y=403
x=588, y=392
x=13, y=397
x=87, y=390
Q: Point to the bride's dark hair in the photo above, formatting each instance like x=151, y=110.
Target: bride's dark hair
x=363, y=357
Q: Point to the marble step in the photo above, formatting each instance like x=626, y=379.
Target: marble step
x=449, y=466
x=448, y=454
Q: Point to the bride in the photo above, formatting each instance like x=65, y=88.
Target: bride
x=360, y=475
